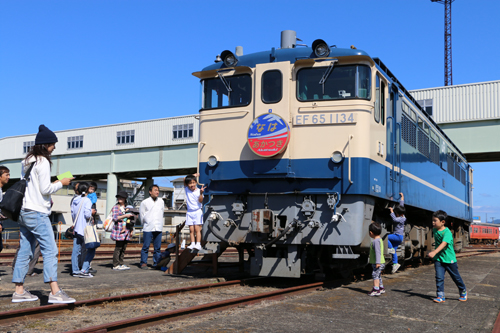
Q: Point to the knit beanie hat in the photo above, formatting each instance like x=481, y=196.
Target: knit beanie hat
x=45, y=136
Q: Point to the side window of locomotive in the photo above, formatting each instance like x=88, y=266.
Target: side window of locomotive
x=333, y=83
x=379, y=113
x=272, y=86
x=227, y=91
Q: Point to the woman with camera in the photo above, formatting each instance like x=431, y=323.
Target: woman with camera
x=120, y=233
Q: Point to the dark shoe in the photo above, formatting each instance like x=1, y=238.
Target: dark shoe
x=144, y=266
x=85, y=275
x=92, y=271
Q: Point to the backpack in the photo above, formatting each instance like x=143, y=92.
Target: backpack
x=13, y=199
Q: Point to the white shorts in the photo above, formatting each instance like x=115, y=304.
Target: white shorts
x=194, y=218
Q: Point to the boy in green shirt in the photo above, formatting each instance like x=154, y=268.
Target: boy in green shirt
x=444, y=257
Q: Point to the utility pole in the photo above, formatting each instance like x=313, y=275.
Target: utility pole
x=448, y=73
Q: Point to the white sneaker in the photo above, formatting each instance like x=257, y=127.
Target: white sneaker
x=391, y=251
x=395, y=268
x=24, y=297
x=198, y=247
x=123, y=267
x=191, y=246
x=60, y=298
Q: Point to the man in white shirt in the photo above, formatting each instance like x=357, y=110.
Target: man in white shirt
x=151, y=212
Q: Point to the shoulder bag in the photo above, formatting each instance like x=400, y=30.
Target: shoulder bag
x=90, y=232
x=90, y=236
x=12, y=201
x=109, y=224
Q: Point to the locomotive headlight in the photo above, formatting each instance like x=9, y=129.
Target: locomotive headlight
x=229, y=59
x=337, y=157
x=212, y=161
x=321, y=49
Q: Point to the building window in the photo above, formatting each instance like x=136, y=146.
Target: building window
x=125, y=137
x=75, y=142
x=27, y=146
x=183, y=131
x=426, y=104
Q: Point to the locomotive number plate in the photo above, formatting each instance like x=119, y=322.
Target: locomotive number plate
x=324, y=118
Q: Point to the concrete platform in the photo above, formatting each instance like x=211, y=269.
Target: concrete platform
x=407, y=306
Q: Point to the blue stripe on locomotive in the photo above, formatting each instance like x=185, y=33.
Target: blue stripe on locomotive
x=319, y=176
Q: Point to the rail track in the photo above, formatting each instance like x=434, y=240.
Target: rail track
x=6, y=258
x=167, y=316
x=55, y=309
x=14, y=316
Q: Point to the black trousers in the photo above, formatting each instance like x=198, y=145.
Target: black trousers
x=119, y=253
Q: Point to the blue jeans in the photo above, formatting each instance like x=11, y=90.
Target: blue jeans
x=452, y=269
x=156, y=237
x=35, y=226
x=78, y=244
x=393, y=241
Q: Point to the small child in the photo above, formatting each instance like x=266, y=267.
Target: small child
x=92, y=195
x=376, y=259
x=444, y=257
x=393, y=240
x=194, y=215
x=129, y=222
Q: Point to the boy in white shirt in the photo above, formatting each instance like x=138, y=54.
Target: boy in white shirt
x=194, y=215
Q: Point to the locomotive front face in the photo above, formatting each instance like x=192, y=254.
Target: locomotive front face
x=281, y=153
x=300, y=148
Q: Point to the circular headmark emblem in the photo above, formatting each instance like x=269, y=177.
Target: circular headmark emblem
x=268, y=135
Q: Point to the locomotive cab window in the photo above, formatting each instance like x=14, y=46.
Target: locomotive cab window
x=333, y=83
x=226, y=91
x=379, y=113
x=272, y=86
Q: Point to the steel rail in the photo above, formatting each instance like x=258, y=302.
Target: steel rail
x=52, y=310
x=159, y=318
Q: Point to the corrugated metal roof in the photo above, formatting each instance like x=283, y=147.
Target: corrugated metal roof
x=465, y=102
x=148, y=133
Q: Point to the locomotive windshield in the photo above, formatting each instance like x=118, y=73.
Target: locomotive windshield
x=226, y=91
x=339, y=82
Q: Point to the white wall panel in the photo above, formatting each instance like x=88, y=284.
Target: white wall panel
x=466, y=102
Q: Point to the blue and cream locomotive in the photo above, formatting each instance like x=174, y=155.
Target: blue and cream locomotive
x=303, y=147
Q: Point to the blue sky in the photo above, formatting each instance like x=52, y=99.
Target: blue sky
x=80, y=63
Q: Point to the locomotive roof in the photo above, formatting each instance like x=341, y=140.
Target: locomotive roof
x=292, y=55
